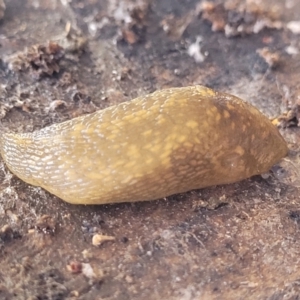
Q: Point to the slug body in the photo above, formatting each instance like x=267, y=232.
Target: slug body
x=168, y=142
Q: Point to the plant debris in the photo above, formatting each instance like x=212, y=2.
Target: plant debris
x=272, y=58
x=40, y=60
x=239, y=19
x=99, y=239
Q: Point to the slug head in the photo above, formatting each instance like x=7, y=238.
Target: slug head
x=251, y=143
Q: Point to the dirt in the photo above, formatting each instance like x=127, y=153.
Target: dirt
x=62, y=59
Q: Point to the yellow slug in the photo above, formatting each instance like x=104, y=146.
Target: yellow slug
x=168, y=142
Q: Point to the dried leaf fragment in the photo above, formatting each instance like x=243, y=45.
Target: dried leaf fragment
x=99, y=239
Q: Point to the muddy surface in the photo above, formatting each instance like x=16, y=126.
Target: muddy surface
x=62, y=59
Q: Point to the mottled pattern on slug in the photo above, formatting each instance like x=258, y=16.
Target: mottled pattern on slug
x=164, y=143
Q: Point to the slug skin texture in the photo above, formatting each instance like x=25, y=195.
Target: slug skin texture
x=167, y=142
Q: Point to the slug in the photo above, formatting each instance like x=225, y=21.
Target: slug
x=168, y=142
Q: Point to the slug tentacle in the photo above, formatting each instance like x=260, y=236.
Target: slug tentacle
x=168, y=142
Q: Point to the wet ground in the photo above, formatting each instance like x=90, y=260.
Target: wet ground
x=62, y=59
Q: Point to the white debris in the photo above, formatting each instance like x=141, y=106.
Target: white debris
x=88, y=271
x=291, y=50
x=194, y=50
x=294, y=26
